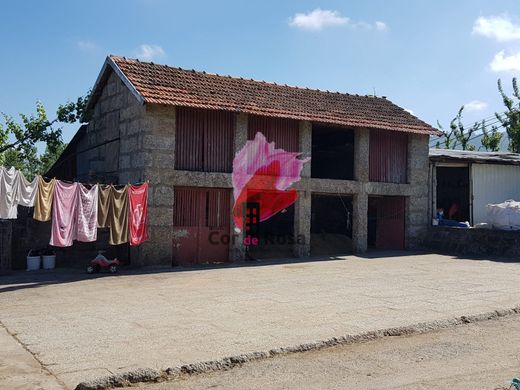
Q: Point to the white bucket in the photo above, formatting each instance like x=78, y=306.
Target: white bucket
x=49, y=262
x=33, y=263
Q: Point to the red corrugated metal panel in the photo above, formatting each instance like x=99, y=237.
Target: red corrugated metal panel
x=283, y=132
x=186, y=210
x=204, y=140
x=388, y=154
x=203, y=216
x=391, y=222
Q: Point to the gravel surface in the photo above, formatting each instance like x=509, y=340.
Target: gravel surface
x=483, y=355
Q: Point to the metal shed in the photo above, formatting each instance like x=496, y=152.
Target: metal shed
x=491, y=178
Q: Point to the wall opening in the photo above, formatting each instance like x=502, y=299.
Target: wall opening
x=275, y=236
x=332, y=153
x=453, y=193
x=331, y=224
x=386, y=222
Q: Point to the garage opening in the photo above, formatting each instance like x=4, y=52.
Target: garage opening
x=453, y=192
x=331, y=224
x=332, y=153
x=386, y=222
x=275, y=237
x=201, y=225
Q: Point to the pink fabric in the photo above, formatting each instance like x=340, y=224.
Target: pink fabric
x=260, y=153
x=87, y=213
x=138, y=213
x=64, y=221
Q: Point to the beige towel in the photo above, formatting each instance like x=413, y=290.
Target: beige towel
x=103, y=205
x=118, y=215
x=43, y=201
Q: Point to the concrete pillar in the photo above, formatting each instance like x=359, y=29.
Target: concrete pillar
x=360, y=222
x=417, y=216
x=302, y=207
x=305, y=145
x=237, y=248
x=361, y=154
x=302, y=224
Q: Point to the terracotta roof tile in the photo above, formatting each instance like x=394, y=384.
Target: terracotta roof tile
x=160, y=84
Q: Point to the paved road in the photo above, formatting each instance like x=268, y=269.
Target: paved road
x=484, y=355
x=81, y=327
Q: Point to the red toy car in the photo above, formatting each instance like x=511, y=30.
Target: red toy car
x=101, y=262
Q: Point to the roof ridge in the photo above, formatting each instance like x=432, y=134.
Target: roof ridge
x=241, y=78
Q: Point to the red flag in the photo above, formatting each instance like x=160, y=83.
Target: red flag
x=138, y=213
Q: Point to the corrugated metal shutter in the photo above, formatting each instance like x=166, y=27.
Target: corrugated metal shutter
x=204, y=140
x=493, y=183
x=388, y=154
x=283, y=132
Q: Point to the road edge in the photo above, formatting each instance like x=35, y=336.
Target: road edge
x=143, y=375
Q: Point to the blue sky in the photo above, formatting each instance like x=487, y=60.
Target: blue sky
x=428, y=57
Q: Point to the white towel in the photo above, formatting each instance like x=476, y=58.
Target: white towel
x=8, y=193
x=26, y=190
x=87, y=213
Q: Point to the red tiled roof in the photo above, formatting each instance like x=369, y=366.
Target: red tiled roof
x=161, y=84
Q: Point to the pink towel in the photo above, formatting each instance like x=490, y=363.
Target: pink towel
x=87, y=213
x=64, y=204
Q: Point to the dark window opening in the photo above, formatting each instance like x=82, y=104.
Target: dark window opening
x=453, y=193
x=331, y=224
x=332, y=153
x=275, y=236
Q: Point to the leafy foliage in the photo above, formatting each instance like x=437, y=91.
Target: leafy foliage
x=510, y=119
x=458, y=135
x=19, y=139
x=490, y=139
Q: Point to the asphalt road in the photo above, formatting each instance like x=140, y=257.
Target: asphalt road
x=484, y=355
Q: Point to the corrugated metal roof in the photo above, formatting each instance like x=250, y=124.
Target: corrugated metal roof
x=483, y=157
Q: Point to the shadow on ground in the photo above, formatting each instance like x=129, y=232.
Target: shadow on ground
x=19, y=280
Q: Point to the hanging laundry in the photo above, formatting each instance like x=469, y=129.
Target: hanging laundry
x=43, y=200
x=118, y=215
x=26, y=190
x=87, y=213
x=103, y=205
x=8, y=193
x=137, y=199
x=64, y=206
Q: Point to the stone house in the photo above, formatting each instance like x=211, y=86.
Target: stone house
x=366, y=184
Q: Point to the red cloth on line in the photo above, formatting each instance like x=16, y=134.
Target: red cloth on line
x=138, y=213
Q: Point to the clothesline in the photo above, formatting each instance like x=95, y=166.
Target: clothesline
x=96, y=183
x=77, y=211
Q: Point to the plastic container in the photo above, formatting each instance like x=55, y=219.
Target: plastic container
x=33, y=263
x=49, y=261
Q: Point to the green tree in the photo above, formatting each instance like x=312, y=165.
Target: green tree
x=510, y=119
x=49, y=157
x=490, y=139
x=18, y=139
x=458, y=135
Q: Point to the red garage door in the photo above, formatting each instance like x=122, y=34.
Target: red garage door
x=201, y=225
x=390, y=222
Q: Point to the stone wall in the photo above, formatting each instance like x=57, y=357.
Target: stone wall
x=472, y=242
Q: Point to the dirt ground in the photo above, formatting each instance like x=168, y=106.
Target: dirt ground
x=484, y=355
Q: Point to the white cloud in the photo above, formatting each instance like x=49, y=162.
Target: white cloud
x=87, y=46
x=505, y=63
x=319, y=19
x=150, y=52
x=501, y=28
x=475, y=105
x=380, y=26
x=409, y=111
